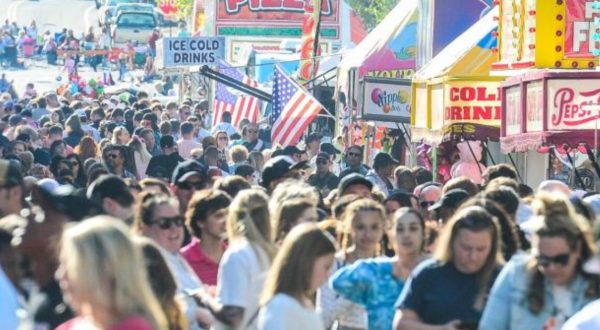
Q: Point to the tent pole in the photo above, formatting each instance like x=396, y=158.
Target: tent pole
x=512, y=161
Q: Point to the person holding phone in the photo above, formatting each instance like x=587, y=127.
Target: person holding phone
x=543, y=290
x=449, y=292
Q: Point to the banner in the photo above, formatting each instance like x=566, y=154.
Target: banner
x=182, y=52
x=309, y=64
x=580, y=29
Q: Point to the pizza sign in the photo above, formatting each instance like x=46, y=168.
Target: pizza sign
x=298, y=6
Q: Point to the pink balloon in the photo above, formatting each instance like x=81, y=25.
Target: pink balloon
x=375, y=95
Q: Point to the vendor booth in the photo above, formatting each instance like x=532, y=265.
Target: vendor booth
x=455, y=100
x=555, y=114
x=389, y=53
x=550, y=107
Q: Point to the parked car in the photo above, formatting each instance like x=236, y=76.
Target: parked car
x=132, y=26
x=106, y=9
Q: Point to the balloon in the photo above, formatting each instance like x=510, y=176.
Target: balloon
x=386, y=108
x=375, y=95
x=403, y=96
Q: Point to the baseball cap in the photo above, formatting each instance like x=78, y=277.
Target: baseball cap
x=452, y=198
x=8, y=104
x=384, y=159
x=291, y=150
x=187, y=169
x=10, y=173
x=15, y=119
x=65, y=199
x=324, y=155
x=277, y=167
x=109, y=186
x=352, y=179
x=329, y=148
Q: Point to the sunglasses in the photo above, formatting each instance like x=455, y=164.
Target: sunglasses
x=252, y=131
x=223, y=138
x=75, y=163
x=113, y=156
x=426, y=204
x=190, y=185
x=354, y=154
x=187, y=113
x=167, y=223
x=560, y=260
x=322, y=162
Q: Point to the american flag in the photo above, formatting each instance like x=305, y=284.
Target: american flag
x=240, y=106
x=293, y=109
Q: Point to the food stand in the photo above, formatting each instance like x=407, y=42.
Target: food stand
x=454, y=97
x=549, y=105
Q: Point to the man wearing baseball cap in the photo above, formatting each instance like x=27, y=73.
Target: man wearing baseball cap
x=279, y=169
x=356, y=184
x=323, y=179
x=383, y=170
x=112, y=194
x=189, y=176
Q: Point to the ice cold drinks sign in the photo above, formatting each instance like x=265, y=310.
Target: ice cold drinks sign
x=181, y=52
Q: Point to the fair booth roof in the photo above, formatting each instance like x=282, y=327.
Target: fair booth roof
x=468, y=55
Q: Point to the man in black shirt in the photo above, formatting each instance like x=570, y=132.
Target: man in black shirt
x=170, y=156
x=323, y=179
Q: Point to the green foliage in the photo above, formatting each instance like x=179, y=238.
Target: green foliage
x=372, y=12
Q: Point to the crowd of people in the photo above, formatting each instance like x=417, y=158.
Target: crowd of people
x=124, y=213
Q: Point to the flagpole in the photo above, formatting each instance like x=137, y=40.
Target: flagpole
x=318, y=6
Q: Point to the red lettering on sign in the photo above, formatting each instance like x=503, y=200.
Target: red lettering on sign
x=570, y=113
x=469, y=94
x=455, y=113
x=234, y=6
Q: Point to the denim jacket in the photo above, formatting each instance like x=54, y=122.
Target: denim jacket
x=507, y=307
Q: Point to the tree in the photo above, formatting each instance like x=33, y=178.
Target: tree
x=372, y=12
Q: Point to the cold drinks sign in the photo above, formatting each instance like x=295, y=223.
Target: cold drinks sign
x=182, y=52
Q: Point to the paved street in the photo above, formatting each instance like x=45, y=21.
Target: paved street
x=51, y=15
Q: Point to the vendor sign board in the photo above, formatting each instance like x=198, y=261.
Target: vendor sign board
x=567, y=100
x=547, y=34
x=473, y=101
x=385, y=99
x=184, y=52
x=280, y=18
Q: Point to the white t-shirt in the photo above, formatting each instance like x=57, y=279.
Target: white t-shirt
x=240, y=282
x=586, y=319
x=285, y=312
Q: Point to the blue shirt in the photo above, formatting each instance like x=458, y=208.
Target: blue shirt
x=370, y=283
x=440, y=293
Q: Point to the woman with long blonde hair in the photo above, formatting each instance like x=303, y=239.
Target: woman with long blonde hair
x=245, y=263
x=102, y=277
x=300, y=268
